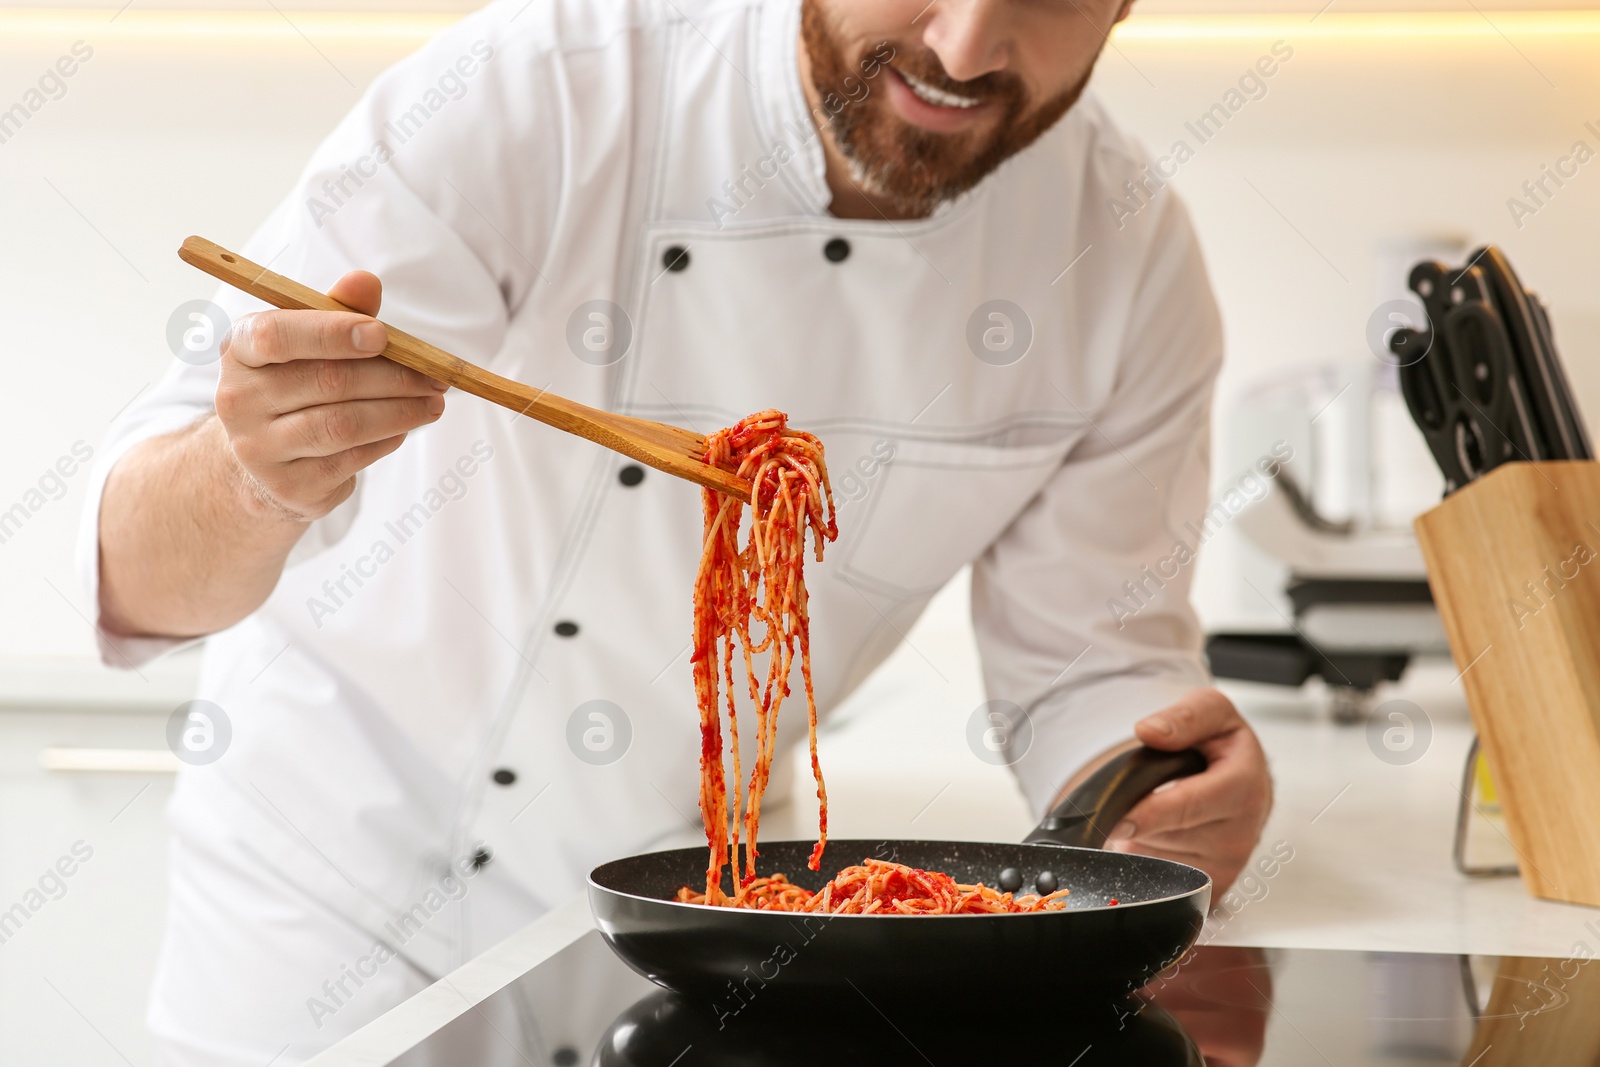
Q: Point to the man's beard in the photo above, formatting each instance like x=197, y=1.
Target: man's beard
x=914, y=169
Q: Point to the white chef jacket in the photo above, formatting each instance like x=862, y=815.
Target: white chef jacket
x=537, y=157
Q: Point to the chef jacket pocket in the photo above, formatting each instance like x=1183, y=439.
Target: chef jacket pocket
x=936, y=506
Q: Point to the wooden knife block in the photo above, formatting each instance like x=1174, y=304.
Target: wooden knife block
x=1514, y=564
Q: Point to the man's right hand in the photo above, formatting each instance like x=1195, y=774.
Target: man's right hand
x=306, y=402
x=195, y=526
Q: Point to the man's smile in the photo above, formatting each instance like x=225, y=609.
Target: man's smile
x=933, y=108
x=936, y=96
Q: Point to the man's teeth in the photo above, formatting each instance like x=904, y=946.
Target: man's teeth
x=935, y=96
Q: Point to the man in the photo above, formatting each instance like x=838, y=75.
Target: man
x=452, y=667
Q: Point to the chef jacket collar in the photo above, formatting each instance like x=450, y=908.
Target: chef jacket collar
x=780, y=104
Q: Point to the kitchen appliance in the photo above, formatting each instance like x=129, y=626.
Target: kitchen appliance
x=1327, y=535
x=659, y=1027
x=1127, y=917
x=1484, y=382
x=582, y=1007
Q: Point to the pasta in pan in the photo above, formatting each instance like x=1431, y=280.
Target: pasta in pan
x=762, y=582
x=880, y=887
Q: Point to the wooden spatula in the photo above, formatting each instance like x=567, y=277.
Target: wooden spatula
x=665, y=447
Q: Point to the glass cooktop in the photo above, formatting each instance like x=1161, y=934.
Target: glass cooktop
x=1221, y=1006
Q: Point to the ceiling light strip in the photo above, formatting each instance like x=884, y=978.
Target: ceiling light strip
x=1404, y=25
x=170, y=25
x=404, y=26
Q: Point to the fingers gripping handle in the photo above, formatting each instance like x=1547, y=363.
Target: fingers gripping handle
x=1087, y=814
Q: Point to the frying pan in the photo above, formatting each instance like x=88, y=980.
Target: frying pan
x=1091, y=948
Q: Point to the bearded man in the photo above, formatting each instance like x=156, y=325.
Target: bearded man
x=448, y=645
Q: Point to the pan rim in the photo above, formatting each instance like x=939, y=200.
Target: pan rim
x=1205, y=886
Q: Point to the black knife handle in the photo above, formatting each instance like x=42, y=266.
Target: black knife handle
x=1580, y=446
x=1087, y=814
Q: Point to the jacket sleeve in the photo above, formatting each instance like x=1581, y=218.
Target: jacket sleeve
x=439, y=182
x=1081, y=606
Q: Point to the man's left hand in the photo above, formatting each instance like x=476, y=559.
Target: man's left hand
x=1212, y=820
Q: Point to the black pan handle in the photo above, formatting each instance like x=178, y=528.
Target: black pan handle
x=1087, y=815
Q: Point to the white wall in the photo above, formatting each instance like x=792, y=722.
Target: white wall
x=1357, y=145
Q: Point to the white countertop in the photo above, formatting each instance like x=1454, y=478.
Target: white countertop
x=1372, y=866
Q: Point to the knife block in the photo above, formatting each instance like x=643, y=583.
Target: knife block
x=1514, y=563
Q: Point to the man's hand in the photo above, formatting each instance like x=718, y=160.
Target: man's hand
x=1212, y=820
x=306, y=405
x=195, y=525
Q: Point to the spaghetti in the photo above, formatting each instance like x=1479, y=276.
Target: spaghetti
x=879, y=887
x=763, y=581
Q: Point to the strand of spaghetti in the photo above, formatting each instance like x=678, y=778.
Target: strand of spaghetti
x=788, y=553
x=713, y=644
x=733, y=741
x=815, y=862
x=767, y=719
x=764, y=703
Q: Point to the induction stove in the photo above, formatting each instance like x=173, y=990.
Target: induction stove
x=1219, y=1006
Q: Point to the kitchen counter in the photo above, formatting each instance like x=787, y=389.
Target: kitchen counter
x=1372, y=842
x=1370, y=871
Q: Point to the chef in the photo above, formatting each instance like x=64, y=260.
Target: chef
x=446, y=665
